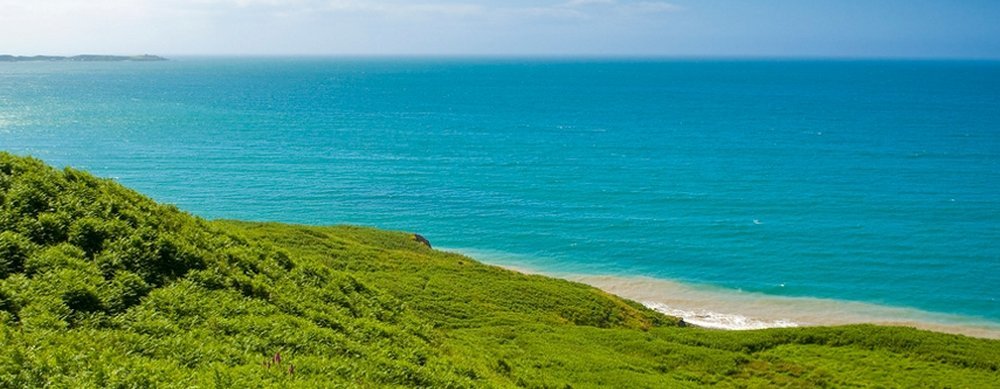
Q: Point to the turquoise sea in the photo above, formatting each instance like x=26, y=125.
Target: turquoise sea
x=866, y=181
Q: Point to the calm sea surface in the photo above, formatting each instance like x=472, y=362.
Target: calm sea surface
x=852, y=180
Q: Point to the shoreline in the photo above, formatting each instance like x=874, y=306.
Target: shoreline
x=733, y=310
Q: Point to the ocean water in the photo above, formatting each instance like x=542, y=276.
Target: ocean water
x=874, y=182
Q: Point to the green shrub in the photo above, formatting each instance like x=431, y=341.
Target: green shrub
x=8, y=307
x=89, y=234
x=56, y=257
x=126, y=290
x=82, y=300
x=52, y=228
x=14, y=250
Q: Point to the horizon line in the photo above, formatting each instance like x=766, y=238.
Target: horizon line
x=531, y=56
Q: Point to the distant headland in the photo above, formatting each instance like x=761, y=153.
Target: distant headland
x=82, y=58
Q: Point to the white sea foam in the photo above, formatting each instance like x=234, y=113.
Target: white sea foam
x=709, y=319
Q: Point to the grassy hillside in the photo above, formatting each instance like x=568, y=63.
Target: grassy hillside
x=102, y=287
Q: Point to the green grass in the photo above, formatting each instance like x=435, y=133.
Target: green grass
x=102, y=287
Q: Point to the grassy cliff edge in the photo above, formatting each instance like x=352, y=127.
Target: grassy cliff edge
x=102, y=287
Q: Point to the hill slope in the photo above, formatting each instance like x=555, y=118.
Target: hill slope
x=102, y=287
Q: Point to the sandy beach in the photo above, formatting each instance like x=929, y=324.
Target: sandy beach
x=735, y=310
x=723, y=309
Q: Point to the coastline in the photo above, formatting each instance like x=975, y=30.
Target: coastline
x=735, y=310
x=724, y=309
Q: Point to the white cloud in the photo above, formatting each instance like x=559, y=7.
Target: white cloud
x=455, y=9
x=652, y=7
x=593, y=9
x=584, y=3
x=558, y=12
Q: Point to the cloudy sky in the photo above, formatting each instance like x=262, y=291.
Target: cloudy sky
x=826, y=28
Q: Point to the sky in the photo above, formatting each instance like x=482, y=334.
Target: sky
x=677, y=28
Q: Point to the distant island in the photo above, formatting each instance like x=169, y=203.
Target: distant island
x=82, y=58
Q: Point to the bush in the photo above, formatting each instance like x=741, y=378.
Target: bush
x=52, y=228
x=127, y=289
x=14, y=250
x=54, y=258
x=82, y=300
x=30, y=195
x=8, y=305
x=89, y=234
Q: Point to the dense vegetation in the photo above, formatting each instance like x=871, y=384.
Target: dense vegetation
x=102, y=287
